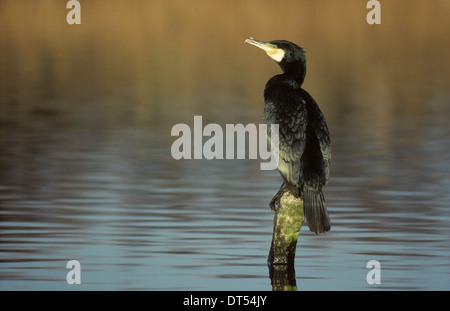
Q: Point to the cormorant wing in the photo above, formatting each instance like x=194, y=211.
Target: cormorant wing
x=321, y=130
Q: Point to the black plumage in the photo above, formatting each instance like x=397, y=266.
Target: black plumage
x=304, y=140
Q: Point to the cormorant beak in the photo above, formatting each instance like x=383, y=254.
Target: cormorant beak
x=271, y=49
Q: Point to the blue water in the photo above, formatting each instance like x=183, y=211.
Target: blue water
x=115, y=200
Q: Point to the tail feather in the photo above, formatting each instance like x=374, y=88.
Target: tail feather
x=315, y=210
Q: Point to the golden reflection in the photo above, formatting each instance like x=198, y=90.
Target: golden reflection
x=167, y=57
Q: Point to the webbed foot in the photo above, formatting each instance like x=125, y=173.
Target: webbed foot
x=275, y=202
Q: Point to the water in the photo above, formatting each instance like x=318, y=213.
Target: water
x=86, y=172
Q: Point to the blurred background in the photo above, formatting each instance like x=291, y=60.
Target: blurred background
x=86, y=171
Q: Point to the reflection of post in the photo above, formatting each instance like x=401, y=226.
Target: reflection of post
x=283, y=277
x=287, y=223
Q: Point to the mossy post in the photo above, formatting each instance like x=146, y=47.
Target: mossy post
x=287, y=223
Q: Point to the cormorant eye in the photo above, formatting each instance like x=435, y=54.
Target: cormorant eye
x=275, y=46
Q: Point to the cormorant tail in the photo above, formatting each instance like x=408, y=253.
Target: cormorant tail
x=315, y=210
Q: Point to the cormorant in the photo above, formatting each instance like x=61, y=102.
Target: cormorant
x=304, y=140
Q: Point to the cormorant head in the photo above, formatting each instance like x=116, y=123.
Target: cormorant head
x=288, y=55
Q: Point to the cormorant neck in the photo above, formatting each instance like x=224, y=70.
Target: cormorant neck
x=295, y=71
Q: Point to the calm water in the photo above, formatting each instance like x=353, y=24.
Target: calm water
x=86, y=171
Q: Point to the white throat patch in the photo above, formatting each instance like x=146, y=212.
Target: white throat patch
x=276, y=54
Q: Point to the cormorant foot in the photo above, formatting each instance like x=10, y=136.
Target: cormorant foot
x=274, y=203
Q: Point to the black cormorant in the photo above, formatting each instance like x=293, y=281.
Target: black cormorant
x=304, y=140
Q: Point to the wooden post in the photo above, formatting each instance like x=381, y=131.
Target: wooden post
x=287, y=223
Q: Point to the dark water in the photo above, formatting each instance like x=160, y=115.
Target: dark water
x=86, y=172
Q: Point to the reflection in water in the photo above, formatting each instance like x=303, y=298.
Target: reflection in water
x=283, y=277
x=85, y=166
